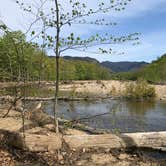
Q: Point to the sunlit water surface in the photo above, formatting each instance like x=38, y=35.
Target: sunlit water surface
x=114, y=115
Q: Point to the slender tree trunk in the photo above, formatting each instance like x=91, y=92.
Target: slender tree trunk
x=23, y=107
x=41, y=59
x=57, y=68
x=10, y=65
x=40, y=68
x=18, y=78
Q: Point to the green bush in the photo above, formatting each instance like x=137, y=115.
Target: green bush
x=139, y=90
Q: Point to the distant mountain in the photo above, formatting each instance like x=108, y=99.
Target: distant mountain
x=87, y=59
x=124, y=66
x=112, y=66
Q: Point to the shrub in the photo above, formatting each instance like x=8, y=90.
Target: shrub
x=139, y=90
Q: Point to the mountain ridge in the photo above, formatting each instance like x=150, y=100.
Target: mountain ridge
x=123, y=66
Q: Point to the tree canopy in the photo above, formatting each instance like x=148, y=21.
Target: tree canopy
x=32, y=62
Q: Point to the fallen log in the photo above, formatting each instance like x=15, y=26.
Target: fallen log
x=65, y=98
x=49, y=141
x=8, y=98
x=59, y=98
x=42, y=143
x=140, y=140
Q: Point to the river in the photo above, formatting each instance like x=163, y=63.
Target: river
x=114, y=115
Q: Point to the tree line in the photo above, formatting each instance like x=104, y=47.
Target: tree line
x=27, y=61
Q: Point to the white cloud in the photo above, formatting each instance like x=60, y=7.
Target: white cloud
x=153, y=43
x=138, y=8
x=152, y=46
x=14, y=17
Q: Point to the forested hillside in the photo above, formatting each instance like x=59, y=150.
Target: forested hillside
x=123, y=66
x=20, y=60
x=112, y=66
x=87, y=59
x=154, y=72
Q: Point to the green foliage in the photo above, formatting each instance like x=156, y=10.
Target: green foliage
x=22, y=60
x=82, y=70
x=28, y=62
x=153, y=73
x=139, y=90
x=90, y=71
x=25, y=60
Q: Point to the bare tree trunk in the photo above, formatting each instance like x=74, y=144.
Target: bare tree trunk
x=40, y=68
x=41, y=58
x=57, y=68
x=10, y=65
x=18, y=77
x=23, y=106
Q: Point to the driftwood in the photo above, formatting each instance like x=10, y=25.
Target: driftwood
x=59, y=98
x=78, y=126
x=49, y=142
x=52, y=141
x=145, y=140
x=65, y=98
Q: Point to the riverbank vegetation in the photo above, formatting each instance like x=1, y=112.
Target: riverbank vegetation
x=139, y=90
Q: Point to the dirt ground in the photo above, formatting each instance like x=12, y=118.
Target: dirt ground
x=83, y=157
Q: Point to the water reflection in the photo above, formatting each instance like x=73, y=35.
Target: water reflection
x=140, y=107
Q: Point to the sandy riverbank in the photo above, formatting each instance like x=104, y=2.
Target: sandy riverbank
x=94, y=88
x=107, y=88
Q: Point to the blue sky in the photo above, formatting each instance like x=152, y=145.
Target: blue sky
x=146, y=17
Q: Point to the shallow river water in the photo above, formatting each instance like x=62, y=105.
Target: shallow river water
x=114, y=115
